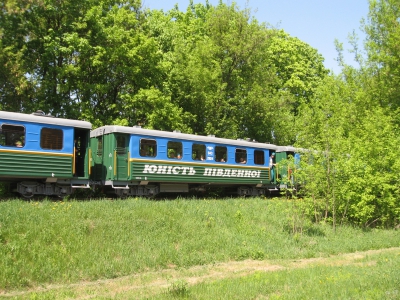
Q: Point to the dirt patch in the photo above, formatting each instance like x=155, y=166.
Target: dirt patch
x=149, y=283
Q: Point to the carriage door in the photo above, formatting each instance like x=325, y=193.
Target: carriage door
x=121, y=158
x=281, y=168
x=81, y=142
x=98, y=172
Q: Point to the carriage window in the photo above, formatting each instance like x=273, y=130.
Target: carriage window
x=121, y=149
x=221, y=154
x=100, y=146
x=199, y=152
x=148, y=148
x=12, y=135
x=174, y=150
x=259, y=157
x=51, y=139
x=241, y=156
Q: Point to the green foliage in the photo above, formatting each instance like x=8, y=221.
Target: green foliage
x=353, y=174
x=207, y=70
x=372, y=173
x=383, y=35
x=5, y=190
x=78, y=58
x=151, y=109
x=352, y=124
x=223, y=71
x=300, y=68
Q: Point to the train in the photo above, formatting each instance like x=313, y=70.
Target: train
x=44, y=155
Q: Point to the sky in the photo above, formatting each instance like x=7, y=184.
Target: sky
x=315, y=22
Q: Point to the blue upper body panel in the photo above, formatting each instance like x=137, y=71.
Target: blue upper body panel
x=32, y=137
x=187, y=151
x=32, y=127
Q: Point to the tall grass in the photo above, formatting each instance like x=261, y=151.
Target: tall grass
x=66, y=242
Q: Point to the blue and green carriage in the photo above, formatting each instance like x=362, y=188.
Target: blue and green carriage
x=141, y=162
x=43, y=155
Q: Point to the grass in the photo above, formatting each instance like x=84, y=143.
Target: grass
x=371, y=278
x=66, y=243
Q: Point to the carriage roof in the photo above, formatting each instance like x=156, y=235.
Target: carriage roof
x=43, y=119
x=178, y=135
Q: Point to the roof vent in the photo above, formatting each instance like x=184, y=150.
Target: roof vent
x=177, y=131
x=211, y=135
x=137, y=126
x=42, y=114
x=39, y=113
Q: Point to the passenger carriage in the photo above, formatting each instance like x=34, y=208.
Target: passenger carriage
x=136, y=161
x=43, y=155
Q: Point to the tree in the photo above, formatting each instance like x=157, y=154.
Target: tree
x=15, y=89
x=369, y=195
x=233, y=76
x=81, y=60
x=352, y=172
x=300, y=72
x=322, y=128
x=383, y=35
x=116, y=60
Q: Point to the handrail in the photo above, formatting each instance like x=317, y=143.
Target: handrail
x=129, y=166
x=115, y=162
x=73, y=161
x=90, y=161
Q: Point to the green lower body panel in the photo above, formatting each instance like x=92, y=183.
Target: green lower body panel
x=28, y=165
x=198, y=173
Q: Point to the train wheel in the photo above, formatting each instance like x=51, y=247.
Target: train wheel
x=26, y=196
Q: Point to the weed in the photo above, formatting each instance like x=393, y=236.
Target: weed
x=179, y=288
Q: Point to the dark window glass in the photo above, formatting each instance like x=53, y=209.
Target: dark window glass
x=174, y=150
x=148, y=148
x=100, y=146
x=199, y=152
x=221, y=154
x=12, y=135
x=51, y=138
x=121, y=148
x=259, y=157
x=241, y=156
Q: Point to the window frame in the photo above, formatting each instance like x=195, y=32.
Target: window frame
x=59, y=138
x=9, y=134
x=198, y=150
x=257, y=157
x=241, y=153
x=120, y=143
x=145, y=151
x=220, y=154
x=99, y=150
x=174, y=148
